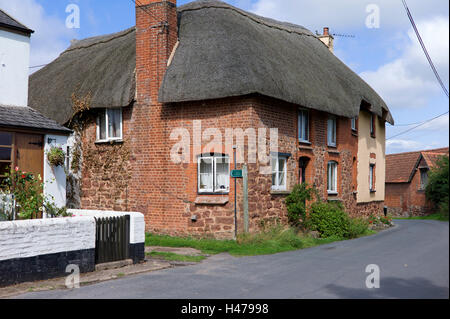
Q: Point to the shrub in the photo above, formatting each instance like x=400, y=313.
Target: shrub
x=56, y=156
x=329, y=219
x=296, y=203
x=437, y=187
x=357, y=227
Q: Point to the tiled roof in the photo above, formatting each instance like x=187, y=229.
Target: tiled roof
x=26, y=117
x=9, y=22
x=401, y=167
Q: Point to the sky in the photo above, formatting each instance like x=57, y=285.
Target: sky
x=380, y=45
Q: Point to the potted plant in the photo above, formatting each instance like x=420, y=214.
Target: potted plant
x=56, y=156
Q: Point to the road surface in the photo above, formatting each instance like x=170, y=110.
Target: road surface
x=413, y=259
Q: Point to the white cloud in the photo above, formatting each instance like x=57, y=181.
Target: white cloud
x=345, y=14
x=408, y=81
x=439, y=124
x=51, y=36
x=405, y=145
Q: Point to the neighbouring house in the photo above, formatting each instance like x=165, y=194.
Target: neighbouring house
x=194, y=74
x=25, y=134
x=406, y=179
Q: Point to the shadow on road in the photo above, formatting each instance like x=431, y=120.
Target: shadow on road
x=392, y=287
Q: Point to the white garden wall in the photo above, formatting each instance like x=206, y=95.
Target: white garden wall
x=137, y=222
x=29, y=238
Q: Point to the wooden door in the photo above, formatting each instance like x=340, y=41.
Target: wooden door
x=30, y=153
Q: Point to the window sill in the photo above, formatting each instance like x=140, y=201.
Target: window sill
x=222, y=200
x=355, y=133
x=334, y=152
x=279, y=192
x=373, y=191
x=304, y=142
x=332, y=193
x=118, y=141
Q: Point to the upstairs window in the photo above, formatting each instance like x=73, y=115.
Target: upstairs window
x=303, y=126
x=331, y=131
x=372, y=177
x=109, y=125
x=279, y=172
x=213, y=174
x=332, y=177
x=372, y=124
x=354, y=123
x=423, y=178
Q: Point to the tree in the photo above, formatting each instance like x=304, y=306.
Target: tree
x=437, y=187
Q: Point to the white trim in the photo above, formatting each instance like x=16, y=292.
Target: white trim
x=200, y=158
x=332, y=165
x=108, y=139
x=277, y=187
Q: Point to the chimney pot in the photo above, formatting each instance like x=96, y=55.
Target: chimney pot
x=326, y=31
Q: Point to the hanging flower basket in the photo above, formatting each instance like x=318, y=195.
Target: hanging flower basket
x=56, y=156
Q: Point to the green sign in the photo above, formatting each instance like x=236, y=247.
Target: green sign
x=236, y=173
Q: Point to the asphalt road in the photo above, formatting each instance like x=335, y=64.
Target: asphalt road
x=413, y=259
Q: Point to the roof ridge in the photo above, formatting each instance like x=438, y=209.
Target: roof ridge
x=272, y=23
x=107, y=38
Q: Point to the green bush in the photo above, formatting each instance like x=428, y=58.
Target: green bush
x=437, y=187
x=357, y=227
x=56, y=156
x=329, y=219
x=296, y=203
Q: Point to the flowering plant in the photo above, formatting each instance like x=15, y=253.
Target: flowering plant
x=56, y=156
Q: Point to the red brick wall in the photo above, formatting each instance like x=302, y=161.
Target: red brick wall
x=406, y=199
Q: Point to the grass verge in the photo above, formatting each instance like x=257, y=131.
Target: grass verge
x=175, y=257
x=435, y=216
x=273, y=241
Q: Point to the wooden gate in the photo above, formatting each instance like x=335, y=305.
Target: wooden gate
x=112, y=239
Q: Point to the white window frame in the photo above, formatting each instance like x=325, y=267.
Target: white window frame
x=331, y=134
x=303, y=120
x=332, y=165
x=371, y=176
x=277, y=158
x=354, y=120
x=108, y=138
x=213, y=159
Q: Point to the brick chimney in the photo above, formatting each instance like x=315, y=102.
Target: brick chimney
x=327, y=39
x=156, y=36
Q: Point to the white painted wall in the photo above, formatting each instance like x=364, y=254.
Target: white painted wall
x=137, y=222
x=14, y=68
x=29, y=238
x=55, y=177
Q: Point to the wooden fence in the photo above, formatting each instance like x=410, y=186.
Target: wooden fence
x=112, y=239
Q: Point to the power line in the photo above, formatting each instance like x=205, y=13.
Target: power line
x=421, y=124
x=38, y=66
x=424, y=48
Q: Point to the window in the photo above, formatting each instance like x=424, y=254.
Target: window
x=372, y=125
x=109, y=125
x=354, y=121
x=213, y=174
x=6, y=152
x=372, y=177
x=332, y=177
x=279, y=172
x=303, y=126
x=423, y=178
x=331, y=130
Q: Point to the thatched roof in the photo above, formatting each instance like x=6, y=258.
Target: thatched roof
x=102, y=66
x=27, y=118
x=224, y=51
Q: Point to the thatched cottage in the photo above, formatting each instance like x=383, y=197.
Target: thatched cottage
x=192, y=74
